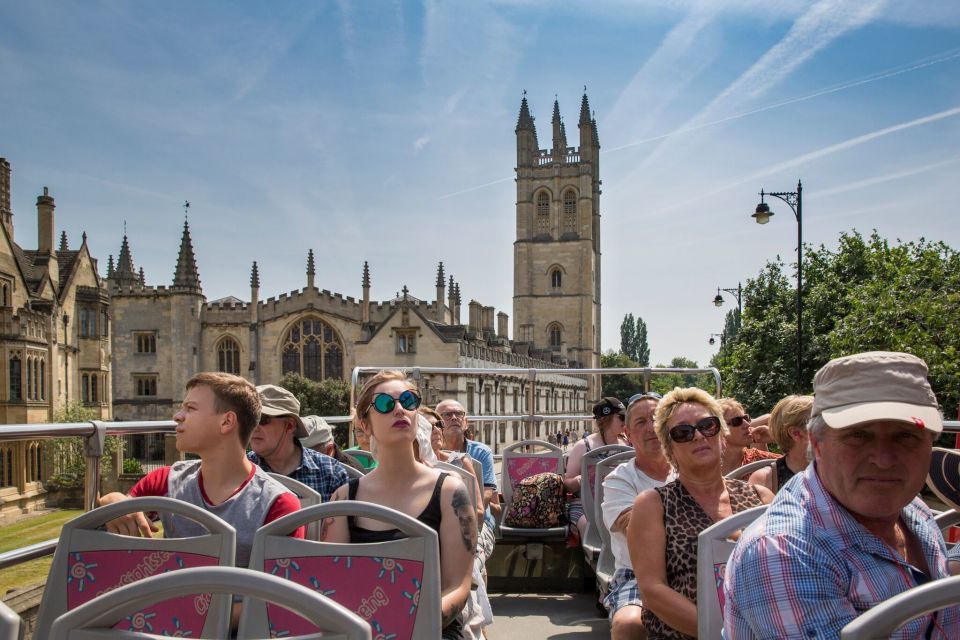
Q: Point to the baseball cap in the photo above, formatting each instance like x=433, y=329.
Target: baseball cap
x=277, y=401
x=319, y=430
x=607, y=407
x=877, y=385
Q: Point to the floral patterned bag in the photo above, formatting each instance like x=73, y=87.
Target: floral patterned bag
x=537, y=502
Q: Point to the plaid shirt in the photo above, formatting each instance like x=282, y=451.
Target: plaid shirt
x=320, y=472
x=806, y=568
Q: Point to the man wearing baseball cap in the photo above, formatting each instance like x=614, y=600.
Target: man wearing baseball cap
x=849, y=532
x=276, y=447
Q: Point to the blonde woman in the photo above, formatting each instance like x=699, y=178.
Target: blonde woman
x=788, y=426
x=689, y=424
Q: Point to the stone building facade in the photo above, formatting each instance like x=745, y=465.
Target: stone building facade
x=165, y=334
x=55, y=340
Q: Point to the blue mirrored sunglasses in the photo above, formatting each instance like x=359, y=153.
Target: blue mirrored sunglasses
x=385, y=403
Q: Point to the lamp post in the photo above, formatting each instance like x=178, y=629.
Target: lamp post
x=794, y=200
x=738, y=293
x=715, y=335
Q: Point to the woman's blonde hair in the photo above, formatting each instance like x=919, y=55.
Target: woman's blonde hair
x=792, y=411
x=365, y=398
x=669, y=405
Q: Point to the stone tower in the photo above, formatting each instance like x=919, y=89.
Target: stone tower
x=556, y=289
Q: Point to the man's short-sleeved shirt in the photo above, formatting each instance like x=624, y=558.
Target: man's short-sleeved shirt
x=318, y=471
x=482, y=454
x=806, y=568
x=620, y=489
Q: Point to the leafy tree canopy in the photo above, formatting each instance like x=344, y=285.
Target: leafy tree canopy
x=331, y=397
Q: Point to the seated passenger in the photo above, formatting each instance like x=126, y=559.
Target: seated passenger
x=458, y=458
x=648, y=470
x=738, y=447
x=276, y=447
x=609, y=415
x=850, y=531
x=320, y=439
x=689, y=425
x=215, y=421
x=387, y=411
x=788, y=426
x=363, y=444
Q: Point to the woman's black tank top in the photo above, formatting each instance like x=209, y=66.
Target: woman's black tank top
x=430, y=516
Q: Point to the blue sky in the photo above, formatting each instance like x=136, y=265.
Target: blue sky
x=384, y=131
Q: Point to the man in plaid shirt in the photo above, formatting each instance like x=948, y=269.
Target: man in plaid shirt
x=849, y=532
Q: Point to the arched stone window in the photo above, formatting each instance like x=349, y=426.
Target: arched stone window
x=43, y=379
x=555, y=332
x=569, y=212
x=228, y=356
x=556, y=278
x=312, y=349
x=543, y=213
x=16, y=388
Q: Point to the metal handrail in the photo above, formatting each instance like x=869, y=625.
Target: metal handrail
x=30, y=552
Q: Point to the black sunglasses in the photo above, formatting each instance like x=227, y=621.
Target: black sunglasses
x=265, y=419
x=708, y=427
x=385, y=403
x=739, y=420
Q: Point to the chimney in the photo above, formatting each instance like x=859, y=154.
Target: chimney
x=45, y=235
x=502, y=323
x=6, y=213
x=488, y=321
x=476, y=312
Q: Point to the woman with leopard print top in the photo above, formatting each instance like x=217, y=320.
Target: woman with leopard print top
x=663, y=543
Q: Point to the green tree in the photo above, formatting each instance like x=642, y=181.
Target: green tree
x=628, y=336
x=331, y=397
x=64, y=456
x=641, y=352
x=619, y=385
x=666, y=382
x=865, y=295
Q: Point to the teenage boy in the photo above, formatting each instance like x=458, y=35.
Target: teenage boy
x=215, y=421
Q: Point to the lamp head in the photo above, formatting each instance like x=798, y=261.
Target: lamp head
x=718, y=301
x=763, y=213
x=712, y=341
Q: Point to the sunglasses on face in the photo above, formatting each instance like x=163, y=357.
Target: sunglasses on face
x=385, y=403
x=265, y=419
x=708, y=427
x=739, y=420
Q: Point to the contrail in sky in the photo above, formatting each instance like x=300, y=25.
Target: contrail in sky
x=929, y=61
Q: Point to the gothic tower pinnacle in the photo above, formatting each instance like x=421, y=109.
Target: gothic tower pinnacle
x=186, y=276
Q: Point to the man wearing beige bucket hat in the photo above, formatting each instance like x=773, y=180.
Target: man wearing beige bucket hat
x=276, y=447
x=848, y=532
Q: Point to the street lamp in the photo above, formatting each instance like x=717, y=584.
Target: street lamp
x=717, y=335
x=794, y=200
x=738, y=293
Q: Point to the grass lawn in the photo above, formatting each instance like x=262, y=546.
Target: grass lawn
x=26, y=532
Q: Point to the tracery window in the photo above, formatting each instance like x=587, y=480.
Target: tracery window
x=228, y=356
x=569, y=211
x=543, y=213
x=556, y=335
x=312, y=348
x=15, y=379
x=556, y=278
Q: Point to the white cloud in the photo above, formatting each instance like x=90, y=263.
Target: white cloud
x=420, y=143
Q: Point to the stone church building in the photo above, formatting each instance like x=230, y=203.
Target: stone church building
x=162, y=335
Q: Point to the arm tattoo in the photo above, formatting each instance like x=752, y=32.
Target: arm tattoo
x=468, y=521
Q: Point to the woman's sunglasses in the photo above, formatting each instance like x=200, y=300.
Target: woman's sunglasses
x=385, y=403
x=739, y=420
x=708, y=427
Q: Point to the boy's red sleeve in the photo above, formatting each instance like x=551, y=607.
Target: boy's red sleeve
x=152, y=484
x=285, y=503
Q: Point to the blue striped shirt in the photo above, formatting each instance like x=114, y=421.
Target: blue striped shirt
x=806, y=568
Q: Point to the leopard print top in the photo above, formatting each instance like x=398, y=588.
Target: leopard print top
x=683, y=520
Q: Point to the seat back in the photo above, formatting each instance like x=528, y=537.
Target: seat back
x=606, y=564
x=948, y=522
x=468, y=478
x=308, y=497
x=885, y=618
x=522, y=460
x=588, y=477
x=393, y=585
x=365, y=458
x=944, y=476
x=10, y=623
x=89, y=562
x=353, y=472
x=713, y=550
x=97, y=618
x=742, y=473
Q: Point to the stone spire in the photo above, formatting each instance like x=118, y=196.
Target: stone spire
x=365, y=306
x=110, y=267
x=142, y=278
x=186, y=275
x=311, y=271
x=558, y=147
x=64, y=245
x=125, y=275
x=255, y=276
x=254, y=297
x=527, y=146
x=441, y=293
x=525, y=120
x=451, y=297
x=584, y=110
x=440, y=275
